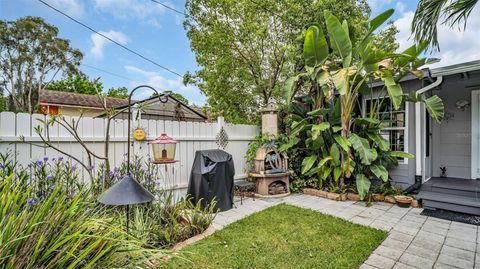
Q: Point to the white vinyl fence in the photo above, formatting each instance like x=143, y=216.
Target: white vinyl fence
x=192, y=136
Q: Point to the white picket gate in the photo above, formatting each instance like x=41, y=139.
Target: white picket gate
x=192, y=136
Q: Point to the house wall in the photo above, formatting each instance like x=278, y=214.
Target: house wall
x=452, y=138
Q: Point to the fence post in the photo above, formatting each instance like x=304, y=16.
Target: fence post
x=220, y=123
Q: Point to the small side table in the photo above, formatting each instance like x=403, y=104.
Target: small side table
x=243, y=186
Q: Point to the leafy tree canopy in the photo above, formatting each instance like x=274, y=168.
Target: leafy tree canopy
x=81, y=83
x=31, y=55
x=177, y=96
x=246, y=49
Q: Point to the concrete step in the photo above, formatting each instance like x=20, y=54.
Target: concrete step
x=452, y=202
x=460, y=187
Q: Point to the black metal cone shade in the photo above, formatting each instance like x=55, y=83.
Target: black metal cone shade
x=126, y=192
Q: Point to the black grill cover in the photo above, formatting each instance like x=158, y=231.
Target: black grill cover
x=212, y=177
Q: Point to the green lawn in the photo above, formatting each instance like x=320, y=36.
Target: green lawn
x=283, y=236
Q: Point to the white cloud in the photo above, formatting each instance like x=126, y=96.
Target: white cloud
x=404, y=24
x=99, y=42
x=378, y=5
x=400, y=7
x=146, y=11
x=456, y=45
x=73, y=8
x=162, y=83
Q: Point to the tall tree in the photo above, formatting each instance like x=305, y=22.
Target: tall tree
x=120, y=92
x=429, y=13
x=178, y=96
x=245, y=48
x=31, y=55
x=81, y=83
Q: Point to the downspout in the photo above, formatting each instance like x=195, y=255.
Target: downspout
x=419, y=146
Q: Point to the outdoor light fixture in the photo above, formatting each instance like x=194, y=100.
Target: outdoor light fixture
x=163, y=149
x=128, y=191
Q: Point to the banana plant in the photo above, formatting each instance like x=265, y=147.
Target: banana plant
x=337, y=71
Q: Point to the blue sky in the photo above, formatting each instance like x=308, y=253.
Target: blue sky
x=158, y=34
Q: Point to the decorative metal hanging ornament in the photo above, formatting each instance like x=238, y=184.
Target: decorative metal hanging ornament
x=222, y=138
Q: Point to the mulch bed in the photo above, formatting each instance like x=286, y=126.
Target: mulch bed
x=453, y=216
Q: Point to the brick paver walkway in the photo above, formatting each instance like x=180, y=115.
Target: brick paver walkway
x=414, y=241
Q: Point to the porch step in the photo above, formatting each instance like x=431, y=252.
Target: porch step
x=452, y=202
x=456, y=186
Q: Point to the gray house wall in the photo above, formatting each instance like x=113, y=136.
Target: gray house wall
x=452, y=138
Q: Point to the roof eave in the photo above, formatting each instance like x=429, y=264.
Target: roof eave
x=455, y=69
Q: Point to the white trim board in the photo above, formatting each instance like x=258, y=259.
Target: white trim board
x=475, y=134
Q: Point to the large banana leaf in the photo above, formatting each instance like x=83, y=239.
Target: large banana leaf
x=363, y=185
x=318, y=128
x=362, y=148
x=410, y=54
x=435, y=108
x=289, y=87
x=340, y=79
x=433, y=104
x=342, y=142
x=399, y=154
x=373, y=25
x=292, y=141
x=335, y=153
x=339, y=38
x=315, y=47
x=308, y=163
x=394, y=90
x=381, y=142
x=379, y=171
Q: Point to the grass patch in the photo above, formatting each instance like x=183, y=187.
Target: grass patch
x=283, y=236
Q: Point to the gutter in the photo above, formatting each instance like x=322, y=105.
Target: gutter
x=420, y=147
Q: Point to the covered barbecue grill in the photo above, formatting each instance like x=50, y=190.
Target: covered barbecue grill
x=212, y=178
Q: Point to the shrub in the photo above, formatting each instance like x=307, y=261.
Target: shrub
x=62, y=232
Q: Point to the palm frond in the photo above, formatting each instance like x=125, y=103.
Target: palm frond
x=459, y=11
x=424, y=24
x=430, y=12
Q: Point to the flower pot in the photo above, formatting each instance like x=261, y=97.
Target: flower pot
x=378, y=197
x=390, y=199
x=353, y=196
x=403, y=201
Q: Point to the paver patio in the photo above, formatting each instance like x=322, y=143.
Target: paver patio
x=414, y=241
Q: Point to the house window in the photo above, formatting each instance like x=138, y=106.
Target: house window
x=394, y=122
x=48, y=110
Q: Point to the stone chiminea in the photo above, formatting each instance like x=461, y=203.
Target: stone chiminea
x=271, y=167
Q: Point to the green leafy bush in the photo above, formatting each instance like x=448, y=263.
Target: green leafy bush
x=62, y=232
x=164, y=225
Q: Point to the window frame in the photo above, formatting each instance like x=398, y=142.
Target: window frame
x=405, y=128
